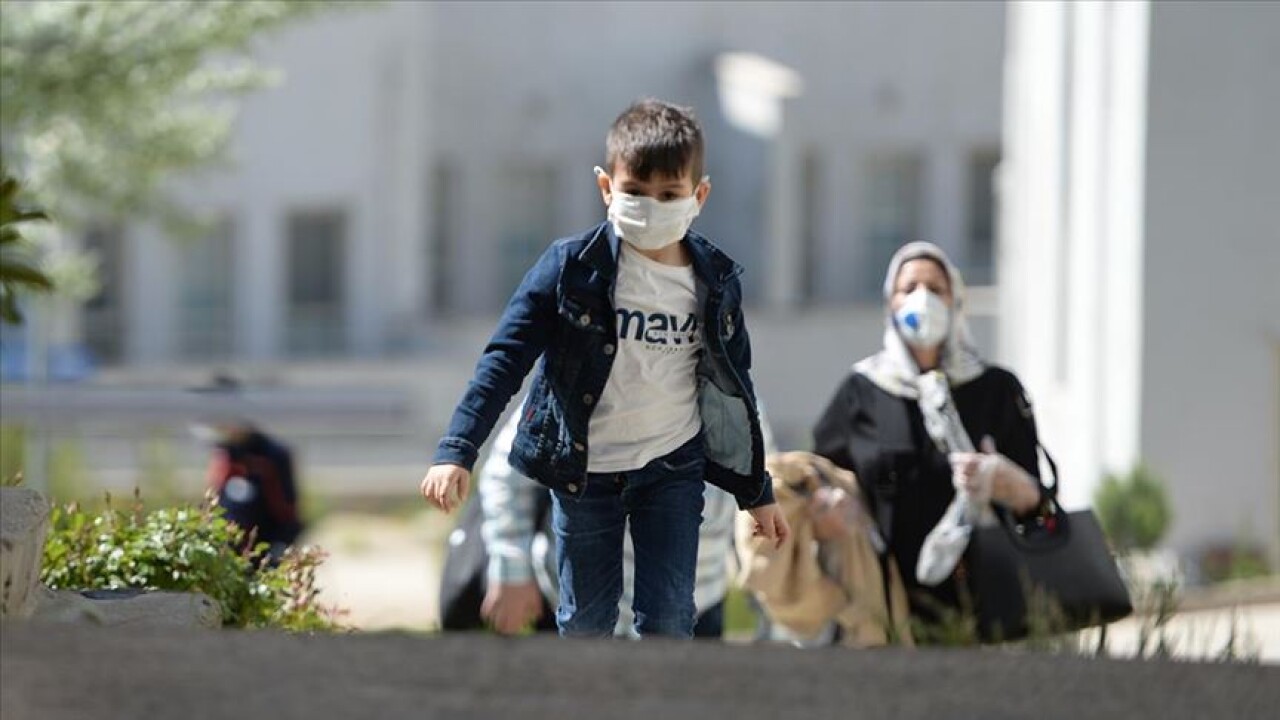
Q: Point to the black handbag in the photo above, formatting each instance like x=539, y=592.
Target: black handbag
x=1052, y=573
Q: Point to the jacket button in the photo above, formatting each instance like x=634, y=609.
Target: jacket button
x=588, y=399
x=579, y=446
x=584, y=320
x=571, y=487
x=608, y=349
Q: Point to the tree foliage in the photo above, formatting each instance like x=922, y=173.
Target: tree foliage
x=101, y=101
x=19, y=266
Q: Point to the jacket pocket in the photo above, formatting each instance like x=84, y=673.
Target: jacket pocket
x=583, y=314
x=726, y=428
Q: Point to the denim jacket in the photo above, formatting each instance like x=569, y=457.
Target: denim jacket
x=563, y=313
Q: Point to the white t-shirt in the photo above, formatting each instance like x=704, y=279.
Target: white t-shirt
x=650, y=403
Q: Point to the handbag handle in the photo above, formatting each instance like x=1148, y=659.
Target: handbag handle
x=1051, y=517
x=1053, y=470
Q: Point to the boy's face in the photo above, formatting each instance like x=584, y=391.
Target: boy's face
x=663, y=188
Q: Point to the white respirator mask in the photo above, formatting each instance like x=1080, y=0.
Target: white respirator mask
x=924, y=319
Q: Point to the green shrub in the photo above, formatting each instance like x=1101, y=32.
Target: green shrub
x=1133, y=509
x=187, y=549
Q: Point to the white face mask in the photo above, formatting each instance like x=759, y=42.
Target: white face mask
x=649, y=224
x=924, y=320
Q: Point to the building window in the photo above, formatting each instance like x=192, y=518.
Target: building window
x=980, y=259
x=530, y=194
x=441, y=256
x=892, y=205
x=103, y=313
x=206, y=294
x=317, y=291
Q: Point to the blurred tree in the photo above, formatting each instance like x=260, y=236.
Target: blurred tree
x=100, y=101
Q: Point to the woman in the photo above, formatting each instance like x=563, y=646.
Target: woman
x=912, y=469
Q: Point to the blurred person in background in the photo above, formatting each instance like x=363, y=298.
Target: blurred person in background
x=252, y=475
x=897, y=418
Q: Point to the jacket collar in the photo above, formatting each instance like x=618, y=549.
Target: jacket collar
x=710, y=264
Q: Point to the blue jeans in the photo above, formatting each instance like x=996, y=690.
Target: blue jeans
x=663, y=500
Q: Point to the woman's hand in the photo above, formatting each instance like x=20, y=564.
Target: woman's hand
x=988, y=476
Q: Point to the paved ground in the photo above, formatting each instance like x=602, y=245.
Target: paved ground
x=385, y=572
x=61, y=672
x=1205, y=633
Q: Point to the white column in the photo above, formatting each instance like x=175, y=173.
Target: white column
x=1031, y=190
x=148, y=284
x=1124, y=165
x=262, y=286
x=840, y=269
x=1030, y=337
x=946, y=217
x=368, y=273
x=412, y=281
x=1084, y=243
x=782, y=213
x=477, y=241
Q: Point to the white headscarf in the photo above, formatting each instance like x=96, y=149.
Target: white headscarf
x=893, y=369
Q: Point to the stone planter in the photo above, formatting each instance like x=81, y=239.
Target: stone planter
x=129, y=608
x=24, y=522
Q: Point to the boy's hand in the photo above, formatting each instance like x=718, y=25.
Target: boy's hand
x=770, y=523
x=511, y=607
x=446, y=486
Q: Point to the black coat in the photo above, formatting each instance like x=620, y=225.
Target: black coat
x=881, y=438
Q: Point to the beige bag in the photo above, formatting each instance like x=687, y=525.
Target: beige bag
x=791, y=582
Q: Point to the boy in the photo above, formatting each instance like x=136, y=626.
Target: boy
x=643, y=391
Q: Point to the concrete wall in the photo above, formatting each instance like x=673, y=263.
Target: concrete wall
x=1211, y=391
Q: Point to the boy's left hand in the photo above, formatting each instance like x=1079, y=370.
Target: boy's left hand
x=770, y=524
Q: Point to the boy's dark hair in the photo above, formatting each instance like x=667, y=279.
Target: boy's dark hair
x=655, y=136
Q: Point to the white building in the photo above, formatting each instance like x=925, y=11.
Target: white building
x=1140, y=252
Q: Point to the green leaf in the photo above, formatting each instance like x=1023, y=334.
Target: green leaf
x=9, y=311
x=16, y=273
